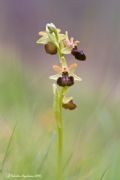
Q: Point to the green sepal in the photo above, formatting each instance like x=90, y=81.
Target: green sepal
x=66, y=50
x=53, y=39
x=54, y=77
x=67, y=99
x=62, y=36
x=43, y=40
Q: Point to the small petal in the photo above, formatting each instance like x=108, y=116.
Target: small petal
x=76, y=43
x=72, y=67
x=58, y=69
x=72, y=40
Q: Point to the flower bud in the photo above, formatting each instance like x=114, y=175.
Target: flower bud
x=70, y=105
x=50, y=48
x=78, y=54
x=51, y=28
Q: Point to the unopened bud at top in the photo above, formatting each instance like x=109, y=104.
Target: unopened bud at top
x=50, y=28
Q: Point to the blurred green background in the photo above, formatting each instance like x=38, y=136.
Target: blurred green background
x=92, y=131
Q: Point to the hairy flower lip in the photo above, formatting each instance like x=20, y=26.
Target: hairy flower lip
x=50, y=48
x=78, y=54
x=65, y=80
x=70, y=105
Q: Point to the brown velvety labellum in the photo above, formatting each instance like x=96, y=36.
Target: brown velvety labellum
x=78, y=54
x=65, y=80
x=50, y=48
x=70, y=105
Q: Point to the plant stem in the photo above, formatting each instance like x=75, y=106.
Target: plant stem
x=58, y=99
x=60, y=152
x=58, y=114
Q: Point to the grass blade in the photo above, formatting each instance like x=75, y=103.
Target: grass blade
x=7, y=149
x=47, y=152
x=103, y=174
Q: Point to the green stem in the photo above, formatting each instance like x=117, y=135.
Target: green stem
x=62, y=58
x=58, y=99
x=60, y=153
x=58, y=114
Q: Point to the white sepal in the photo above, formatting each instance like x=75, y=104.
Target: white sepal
x=54, y=77
x=67, y=99
x=76, y=78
